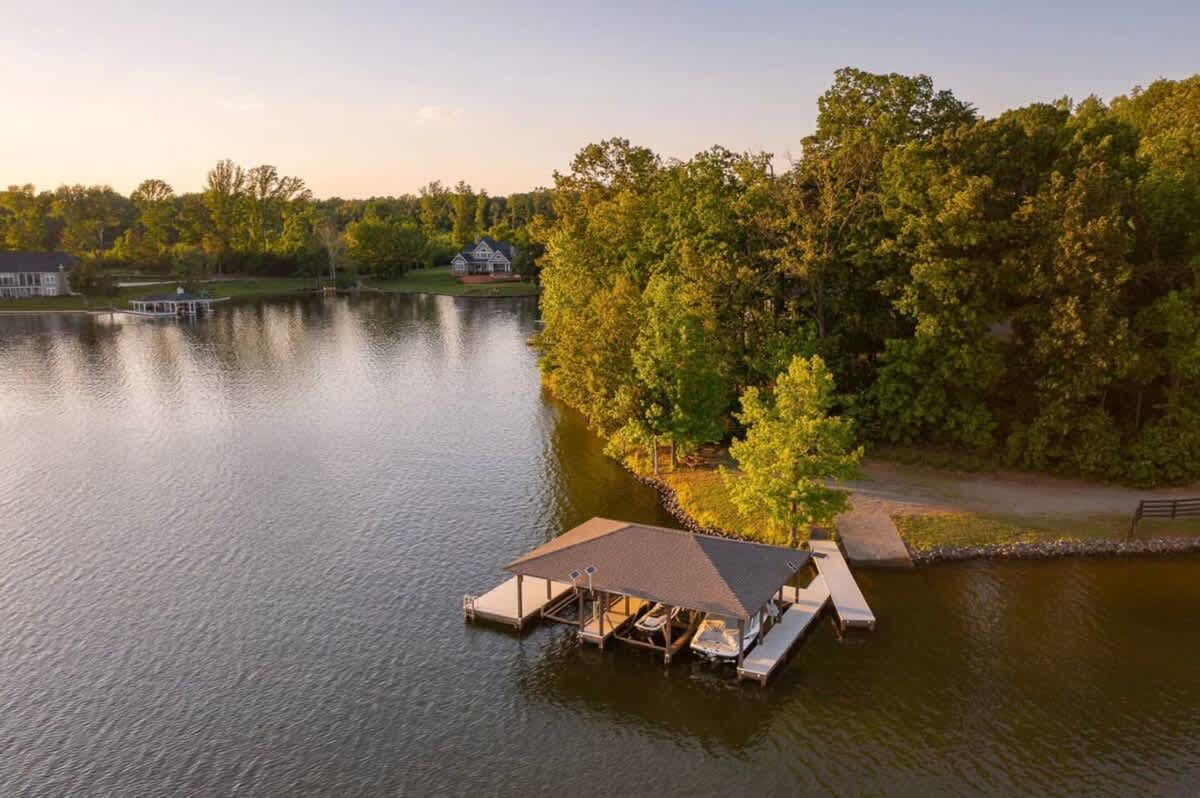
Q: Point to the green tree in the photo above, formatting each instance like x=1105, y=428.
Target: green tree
x=462, y=213
x=191, y=267
x=23, y=218
x=385, y=246
x=224, y=190
x=792, y=447
x=90, y=280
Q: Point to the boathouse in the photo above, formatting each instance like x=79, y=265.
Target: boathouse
x=601, y=575
x=180, y=303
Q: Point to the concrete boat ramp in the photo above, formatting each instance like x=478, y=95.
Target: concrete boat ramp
x=615, y=571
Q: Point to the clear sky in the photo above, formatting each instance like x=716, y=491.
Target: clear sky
x=376, y=98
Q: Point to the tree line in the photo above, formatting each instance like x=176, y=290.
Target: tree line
x=258, y=221
x=1023, y=286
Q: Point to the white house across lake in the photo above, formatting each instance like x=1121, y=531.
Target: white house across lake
x=27, y=274
x=486, y=256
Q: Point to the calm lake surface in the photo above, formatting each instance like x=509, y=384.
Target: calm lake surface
x=233, y=551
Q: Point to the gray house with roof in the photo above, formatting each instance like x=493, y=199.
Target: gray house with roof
x=27, y=274
x=485, y=256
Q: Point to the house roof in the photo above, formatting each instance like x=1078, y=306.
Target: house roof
x=503, y=246
x=732, y=578
x=36, y=261
x=175, y=297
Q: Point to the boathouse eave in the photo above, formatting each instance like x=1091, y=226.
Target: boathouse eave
x=731, y=578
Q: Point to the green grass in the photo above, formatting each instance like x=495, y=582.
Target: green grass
x=441, y=281
x=703, y=494
x=967, y=529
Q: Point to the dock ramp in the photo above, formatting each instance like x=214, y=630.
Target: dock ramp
x=848, y=601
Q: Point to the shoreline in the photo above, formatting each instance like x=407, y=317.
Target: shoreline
x=1041, y=550
x=256, y=297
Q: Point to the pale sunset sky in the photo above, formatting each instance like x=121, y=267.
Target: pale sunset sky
x=364, y=99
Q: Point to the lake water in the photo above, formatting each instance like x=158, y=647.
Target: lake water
x=233, y=551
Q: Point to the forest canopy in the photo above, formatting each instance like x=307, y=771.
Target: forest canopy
x=258, y=221
x=1024, y=285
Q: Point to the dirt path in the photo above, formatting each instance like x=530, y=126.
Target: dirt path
x=909, y=489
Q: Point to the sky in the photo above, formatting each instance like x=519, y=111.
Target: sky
x=378, y=98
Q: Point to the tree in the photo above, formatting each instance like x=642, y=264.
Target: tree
x=791, y=448
x=23, y=218
x=462, y=212
x=331, y=240
x=385, y=246
x=88, y=279
x=191, y=267
x=679, y=368
x=89, y=214
x=267, y=194
x=223, y=193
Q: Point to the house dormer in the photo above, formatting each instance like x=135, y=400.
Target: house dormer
x=483, y=251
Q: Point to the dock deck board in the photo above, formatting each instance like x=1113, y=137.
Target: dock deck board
x=614, y=618
x=500, y=603
x=764, y=658
x=848, y=601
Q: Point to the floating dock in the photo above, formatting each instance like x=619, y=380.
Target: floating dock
x=601, y=626
x=772, y=650
x=848, y=601
x=503, y=604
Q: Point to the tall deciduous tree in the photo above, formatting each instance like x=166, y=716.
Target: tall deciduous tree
x=223, y=194
x=791, y=449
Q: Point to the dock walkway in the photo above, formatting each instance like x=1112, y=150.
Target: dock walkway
x=764, y=658
x=500, y=603
x=848, y=601
x=621, y=610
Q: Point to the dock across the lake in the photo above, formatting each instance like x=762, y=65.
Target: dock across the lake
x=505, y=604
x=848, y=601
x=807, y=603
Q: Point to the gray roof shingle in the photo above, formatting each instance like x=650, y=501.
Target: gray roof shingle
x=36, y=261
x=732, y=578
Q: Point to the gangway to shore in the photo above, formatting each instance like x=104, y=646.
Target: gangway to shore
x=807, y=604
x=504, y=604
x=848, y=601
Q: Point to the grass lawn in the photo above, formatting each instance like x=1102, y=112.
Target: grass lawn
x=703, y=494
x=969, y=529
x=440, y=281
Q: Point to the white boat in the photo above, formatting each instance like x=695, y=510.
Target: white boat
x=717, y=637
x=654, y=620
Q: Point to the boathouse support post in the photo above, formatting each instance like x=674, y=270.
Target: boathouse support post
x=520, y=613
x=741, y=640
x=667, y=637
x=601, y=606
x=579, y=592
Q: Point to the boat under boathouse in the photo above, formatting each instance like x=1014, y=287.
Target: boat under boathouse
x=603, y=574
